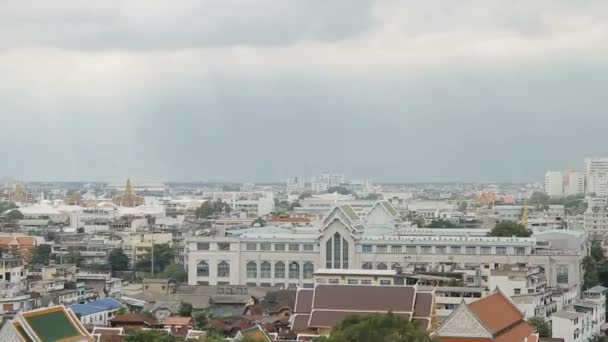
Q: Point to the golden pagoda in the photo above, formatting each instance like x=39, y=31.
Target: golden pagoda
x=129, y=198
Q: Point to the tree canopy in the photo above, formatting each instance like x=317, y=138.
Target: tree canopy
x=541, y=325
x=148, y=336
x=118, y=260
x=185, y=309
x=508, y=229
x=175, y=272
x=41, y=254
x=339, y=189
x=442, y=224
x=4, y=206
x=14, y=215
x=377, y=328
x=163, y=256
x=210, y=208
x=595, y=266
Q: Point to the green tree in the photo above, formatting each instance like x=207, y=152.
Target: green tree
x=339, y=189
x=210, y=208
x=201, y=319
x=175, y=272
x=185, y=309
x=14, y=215
x=508, y=229
x=540, y=200
x=442, y=224
x=377, y=328
x=258, y=221
x=118, y=260
x=148, y=336
x=121, y=311
x=4, y=206
x=213, y=337
x=541, y=326
x=304, y=195
x=595, y=266
x=371, y=197
x=41, y=254
x=163, y=256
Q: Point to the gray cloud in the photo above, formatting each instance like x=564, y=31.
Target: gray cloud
x=416, y=91
x=143, y=24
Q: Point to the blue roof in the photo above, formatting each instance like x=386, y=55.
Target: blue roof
x=96, y=306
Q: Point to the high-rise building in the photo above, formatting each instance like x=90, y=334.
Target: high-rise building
x=596, y=176
x=554, y=184
x=295, y=184
x=574, y=183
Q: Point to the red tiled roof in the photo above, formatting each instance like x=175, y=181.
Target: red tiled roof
x=133, y=318
x=423, y=305
x=300, y=322
x=364, y=298
x=516, y=334
x=496, y=311
x=465, y=339
x=304, y=300
x=177, y=320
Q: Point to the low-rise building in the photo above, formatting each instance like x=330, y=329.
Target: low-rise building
x=584, y=319
x=98, y=312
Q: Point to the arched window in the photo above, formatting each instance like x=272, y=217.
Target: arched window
x=252, y=269
x=328, y=250
x=223, y=269
x=344, y=253
x=265, y=270
x=381, y=266
x=202, y=269
x=279, y=270
x=294, y=270
x=367, y=266
x=395, y=266
x=309, y=269
x=337, y=254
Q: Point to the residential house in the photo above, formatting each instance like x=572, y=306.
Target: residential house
x=97, y=312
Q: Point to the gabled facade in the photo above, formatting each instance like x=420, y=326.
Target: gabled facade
x=492, y=318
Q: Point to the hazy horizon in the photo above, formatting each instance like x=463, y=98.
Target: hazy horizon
x=221, y=90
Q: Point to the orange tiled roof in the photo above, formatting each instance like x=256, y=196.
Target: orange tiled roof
x=177, y=320
x=465, y=339
x=496, y=312
x=517, y=333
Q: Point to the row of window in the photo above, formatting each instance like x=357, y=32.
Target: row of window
x=265, y=269
x=440, y=249
x=354, y=281
x=262, y=246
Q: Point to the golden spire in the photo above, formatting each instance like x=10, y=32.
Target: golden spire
x=129, y=188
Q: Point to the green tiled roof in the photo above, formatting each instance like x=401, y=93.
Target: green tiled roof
x=390, y=208
x=22, y=332
x=52, y=326
x=350, y=212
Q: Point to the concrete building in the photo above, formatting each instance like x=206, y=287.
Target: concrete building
x=596, y=176
x=595, y=222
x=289, y=256
x=554, y=184
x=574, y=183
x=295, y=184
x=526, y=287
x=584, y=319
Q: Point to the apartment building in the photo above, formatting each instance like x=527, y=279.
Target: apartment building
x=554, y=184
x=582, y=320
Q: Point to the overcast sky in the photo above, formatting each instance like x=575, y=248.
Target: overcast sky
x=223, y=90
